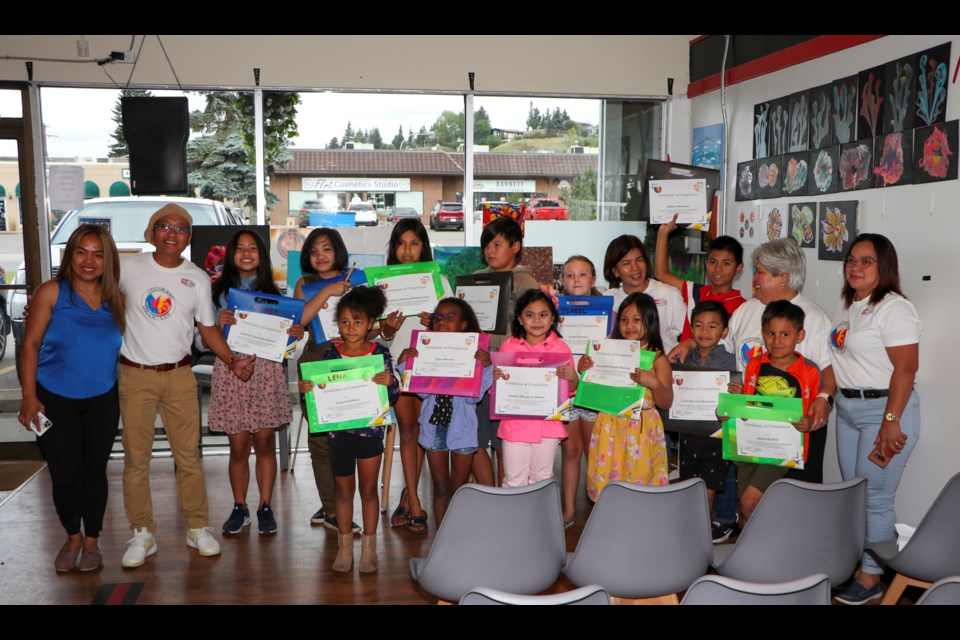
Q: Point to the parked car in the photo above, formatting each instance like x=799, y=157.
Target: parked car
x=545, y=209
x=447, y=215
x=128, y=217
x=400, y=213
x=366, y=214
x=305, y=209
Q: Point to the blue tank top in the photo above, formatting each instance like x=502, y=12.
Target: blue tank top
x=78, y=357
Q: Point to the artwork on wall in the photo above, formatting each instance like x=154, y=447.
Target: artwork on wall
x=779, y=127
x=845, y=110
x=856, y=165
x=821, y=116
x=746, y=180
x=708, y=147
x=799, y=122
x=761, y=124
x=900, y=80
x=796, y=172
x=803, y=223
x=932, y=70
x=747, y=220
x=822, y=167
x=283, y=240
x=935, y=153
x=769, y=177
x=892, y=155
x=773, y=221
x=208, y=245
x=837, y=228
x=870, y=84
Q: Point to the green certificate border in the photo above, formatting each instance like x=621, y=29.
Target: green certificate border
x=376, y=275
x=342, y=370
x=625, y=402
x=733, y=406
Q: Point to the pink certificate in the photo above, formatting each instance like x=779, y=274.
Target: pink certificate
x=530, y=388
x=449, y=386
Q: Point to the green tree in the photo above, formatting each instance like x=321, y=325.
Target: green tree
x=118, y=149
x=533, y=118
x=375, y=138
x=333, y=144
x=448, y=128
x=348, y=134
x=397, y=141
x=581, y=197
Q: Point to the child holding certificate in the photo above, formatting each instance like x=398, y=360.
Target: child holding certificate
x=783, y=372
x=249, y=411
x=530, y=446
x=358, y=451
x=448, y=424
x=633, y=450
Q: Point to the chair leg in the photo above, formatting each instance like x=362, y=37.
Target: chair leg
x=669, y=599
x=387, y=467
x=296, y=444
x=897, y=587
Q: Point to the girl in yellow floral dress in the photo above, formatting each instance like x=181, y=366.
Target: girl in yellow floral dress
x=633, y=450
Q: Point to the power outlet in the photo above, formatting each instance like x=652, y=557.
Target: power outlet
x=128, y=57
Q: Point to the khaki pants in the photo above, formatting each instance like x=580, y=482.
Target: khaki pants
x=174, y=394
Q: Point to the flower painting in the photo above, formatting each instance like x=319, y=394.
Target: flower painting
x=823, y=171
x=746, y=180
x=769, y=177
x=892, y=154
x=803, y=224
x=856, y=165
x=837, y=227
x=935, y=153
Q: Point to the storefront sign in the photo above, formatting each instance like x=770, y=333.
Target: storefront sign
x=504, y=186
x=355, y=184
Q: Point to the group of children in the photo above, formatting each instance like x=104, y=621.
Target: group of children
x=456, y=431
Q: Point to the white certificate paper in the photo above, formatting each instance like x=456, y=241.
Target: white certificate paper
x=686, y=197
x=769, y=439
x=446, y=355
x=328, y=318
x=484, y=300
x=527, y=391
x=695, y=394
x=579, y=330
x=351, y=400
x=411, y=293
x=613, y=362
x=260, y=334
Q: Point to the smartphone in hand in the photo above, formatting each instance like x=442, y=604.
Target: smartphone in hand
x=43, y=426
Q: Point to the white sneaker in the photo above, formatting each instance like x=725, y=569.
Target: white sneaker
x=142, y=545
x=203, y=541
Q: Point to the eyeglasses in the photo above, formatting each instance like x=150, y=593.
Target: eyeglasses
x=452, y=315
x=165, y=227
x=865, y=263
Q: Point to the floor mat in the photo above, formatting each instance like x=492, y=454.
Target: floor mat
x=120, y=593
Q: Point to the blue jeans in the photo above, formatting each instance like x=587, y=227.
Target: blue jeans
x=725, y=502
x=858, y=424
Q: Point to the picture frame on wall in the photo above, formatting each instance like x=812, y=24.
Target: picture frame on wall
x=845, y=106
x=746, y=188
x=803, y=224
x=836, y=228
x=796, y=173
x=823, y=175
x=935, y=153
x=769, y=177
x=856, y=165
x=892, y=159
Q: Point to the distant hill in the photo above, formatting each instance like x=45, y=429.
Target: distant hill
x=532, y=145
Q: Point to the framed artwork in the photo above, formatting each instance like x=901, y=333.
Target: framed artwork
x=845, y=110
x=761, y=128
x=837, y=228
x=773, y=221
x=803, y=223
x=935, y=153
x=779, y=126
x=283, y=240
x=746, y=180
x=823, y=165
x=796, y=172
x=870, y=100
x=799, y=139
x=933, y=67
x=821, y=116
x=892, y=159
x=748, y=217
x=856, y=165
x=900, y=94
x=708, y=148
x=769, y=177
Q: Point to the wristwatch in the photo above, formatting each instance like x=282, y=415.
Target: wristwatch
x=891, y=417
x=826, y=396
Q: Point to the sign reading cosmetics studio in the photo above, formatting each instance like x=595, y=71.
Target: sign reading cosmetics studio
x=504, y=186
x=355, y=184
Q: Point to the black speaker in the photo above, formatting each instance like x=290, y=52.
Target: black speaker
x=156, y=130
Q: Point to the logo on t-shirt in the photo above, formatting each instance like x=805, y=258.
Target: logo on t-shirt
x=749, y=349
x=838, y=337
x=158, y=303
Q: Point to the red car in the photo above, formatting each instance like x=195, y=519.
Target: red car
x=447, y=215
x=545, y=209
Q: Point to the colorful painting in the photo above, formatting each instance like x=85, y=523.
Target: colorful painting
x=208, y=246
x=779, y=126
x=761, y=124
x=892, y=155
x=769, y=177
x=871, y=98
x=708, y=147
x=799, y=122
x=746, y=180
x=459, y=261
x=283, y=240
x=823, y=165
x=933, y=66
x=796, y=172
x=935, y=153
x=821, y=116
x=773, y=221
x=856, y=165
x=803, y=223
x=845, y=110
x=901, y=81
x=747, y=220
x=837, y=227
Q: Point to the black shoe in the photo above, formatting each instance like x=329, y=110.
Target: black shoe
x=319, y=517
x=330, y=522
x=721, y=531
x=266, y=521
x=239, y=518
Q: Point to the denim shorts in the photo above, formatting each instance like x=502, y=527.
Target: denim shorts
x=587, y=415
x=440, y=443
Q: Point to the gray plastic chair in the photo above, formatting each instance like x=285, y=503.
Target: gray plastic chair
x=933, y=551
x=506, y=539
x=594, y=594
x=946, y=591
x=712, y=590
x=644, y=542
x=800, y=528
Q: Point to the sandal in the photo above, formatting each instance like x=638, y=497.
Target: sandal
x=401, y=515
x=418, y=524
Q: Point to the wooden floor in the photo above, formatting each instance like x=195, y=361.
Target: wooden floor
x=291, y=567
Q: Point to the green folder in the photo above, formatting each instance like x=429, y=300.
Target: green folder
x=327, y=373
x=380, y=276
x=624, y=402
x=736, y=407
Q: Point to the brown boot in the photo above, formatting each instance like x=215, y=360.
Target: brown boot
x=368, y=553
x=344, y=561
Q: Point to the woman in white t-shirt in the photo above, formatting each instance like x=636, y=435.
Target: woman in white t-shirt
x=875, y=352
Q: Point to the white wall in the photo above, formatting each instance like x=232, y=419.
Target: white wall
x=924, y=225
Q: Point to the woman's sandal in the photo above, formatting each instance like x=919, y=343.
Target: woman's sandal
x=401, y=515
x=418, y=524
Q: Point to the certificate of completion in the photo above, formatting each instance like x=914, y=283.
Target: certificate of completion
x=613, y=362
x=327, y=316
x=685, y=197
x=447, y=355
x=350, y=400
x=260, y=334
x=528, y=391
x=769, y=439
x=695, y=394
x=411, y=294
x=580, y=330
x=485, y=300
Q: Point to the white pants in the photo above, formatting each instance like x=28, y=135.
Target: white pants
x=525, y=463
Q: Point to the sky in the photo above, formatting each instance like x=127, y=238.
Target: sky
x=78, y=121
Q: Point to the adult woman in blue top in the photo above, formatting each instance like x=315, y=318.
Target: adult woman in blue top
x=69, y=372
